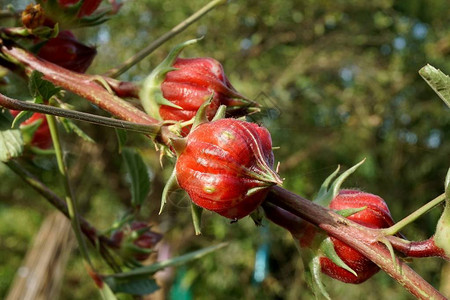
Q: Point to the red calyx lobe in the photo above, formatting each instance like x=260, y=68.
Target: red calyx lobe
x=87, y=8
x=41, y=137
x=376, y=215
x=226, y=167
x=66, y=51
x=194, y=82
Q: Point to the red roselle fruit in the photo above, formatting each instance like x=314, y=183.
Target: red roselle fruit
x=135, y=240
x=87, y=7
x=376, y=215
x=65, y=51
x=193, y=82
x=41, y=137
x=226, y=167
x=177, y=88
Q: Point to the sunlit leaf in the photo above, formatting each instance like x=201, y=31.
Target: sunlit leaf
x=438, y=81
x=11, y=142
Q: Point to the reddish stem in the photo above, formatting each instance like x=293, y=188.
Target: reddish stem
x=83, y=85
x=425, y=248
x=362, y=239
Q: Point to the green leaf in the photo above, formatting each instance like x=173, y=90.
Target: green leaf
x=438, y=81
x=70, y=126
x=133, y=286
x=139, y=177
x=11, y=142
x=173, y=262
x=41, y=90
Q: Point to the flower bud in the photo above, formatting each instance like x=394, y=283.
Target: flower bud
x=65, y=51
x=375, y=215
x=226, y=167
x=135, y=241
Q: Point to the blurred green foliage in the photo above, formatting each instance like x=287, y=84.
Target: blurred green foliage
x=339, y=81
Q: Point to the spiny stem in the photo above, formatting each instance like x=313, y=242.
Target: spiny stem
x=412, y=217
x=70, y=198
x=117, y=71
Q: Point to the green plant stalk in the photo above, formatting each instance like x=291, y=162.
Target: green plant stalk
x=70, y=199
x=412, y=217
x=117, y=71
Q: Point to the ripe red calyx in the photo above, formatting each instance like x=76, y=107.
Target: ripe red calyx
x=375, y=215
x=226, y=167
x=66, y=51
x=193, y=82
x=176, y=88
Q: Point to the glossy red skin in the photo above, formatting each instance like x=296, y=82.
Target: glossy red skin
x=42, y=138
x=376, y=215
x=67, y=52
x=213, y=168
x=87, y=8
x=194, y=81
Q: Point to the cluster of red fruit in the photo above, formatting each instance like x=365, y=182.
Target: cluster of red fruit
x=64, y=50
x=226, y=165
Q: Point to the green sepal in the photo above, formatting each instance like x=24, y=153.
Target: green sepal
x=29, y=130
x=171, y=185
x=20, y=118
x=324, y=198
x=200, y=116
x=196, y=217
x=151, y=95
x=220, y=113
x=70, y=126
x=327, y=247
x=391, y=251
x=317, y=284
x=68, y=16
x=350, y=211
x=442, y=235
x=324, y=187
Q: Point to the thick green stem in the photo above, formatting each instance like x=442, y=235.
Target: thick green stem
x=117, y=71
x=70, y=198
x=412, y=217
